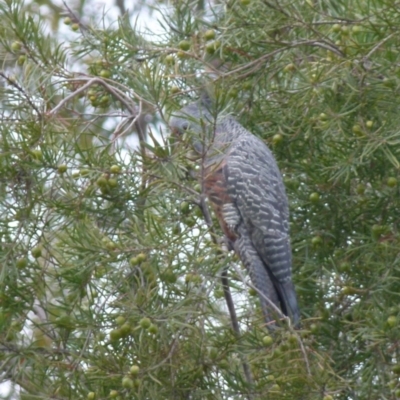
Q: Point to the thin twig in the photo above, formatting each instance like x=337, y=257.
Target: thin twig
x=76, y=361
x=75, y=18
x=227, y=293
x=90, y=82
x=289, y=45
x=379, y=44
x=21, y=90
x=119, y=132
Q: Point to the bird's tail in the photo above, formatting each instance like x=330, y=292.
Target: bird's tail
x=288, y=300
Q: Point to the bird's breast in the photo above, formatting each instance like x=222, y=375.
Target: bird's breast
x=215, y=187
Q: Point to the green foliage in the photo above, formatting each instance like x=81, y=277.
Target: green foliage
x=110, y=276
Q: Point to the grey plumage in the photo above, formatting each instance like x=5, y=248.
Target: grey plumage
x=245, y=187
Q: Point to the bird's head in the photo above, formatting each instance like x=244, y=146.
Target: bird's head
x=196, y=121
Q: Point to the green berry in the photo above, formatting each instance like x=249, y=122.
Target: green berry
x=112, y=183
x=22, y=263
x=104, y=100
x=216, y=44
x=115, y=335
x=170, y=59
x=396, y=369
x=184, y=45
x=392, y=321
x=134, y=370
x=110, y=245
x=16, y=46
x=125, y=330
x=349, y=290
x=392, y=384
x=267, y=341
x=102, y=181
x=67, y=21
x=134, y=261
x=292, y=339
x=169, y=277
x=323, y=117
x=275, y=388
x=113, y=394
x=233, y=93
x=344, y=266
x=252, y=292
x=115, y=169
x=213, y=353
x=37, y=154
x=357, y=130
x=316, y=241
x=93, y=101
x=392, y=182
x=175, y=90
x=105, y=73
x=91, y=396
x=377, y=230
x=62, y=168
x=127, y=382
x=210, y=48
x=314, y=197
x=289, y=68
x=277, y=139
x=153, y=329
x=360, y=189
x=209, y=34
x=120, y=320
x=141, y=257
x=84, y=172
x=190, y=222
x=21, y=60
x=389, y=82
x=369, y=124
x=145, y=323
x=36, y=252
x=185, y=207
x=344, y=30
x=75, y=27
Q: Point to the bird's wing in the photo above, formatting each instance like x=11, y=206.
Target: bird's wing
x=259, y=275
x=255, y=185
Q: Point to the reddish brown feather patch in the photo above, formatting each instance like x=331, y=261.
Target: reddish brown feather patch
x=216, y=190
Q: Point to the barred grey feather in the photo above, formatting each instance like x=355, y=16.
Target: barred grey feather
x=244, y=184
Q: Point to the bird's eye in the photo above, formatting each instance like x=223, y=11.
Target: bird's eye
x=182, y=129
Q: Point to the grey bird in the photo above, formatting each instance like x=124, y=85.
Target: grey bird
x=244, y=186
